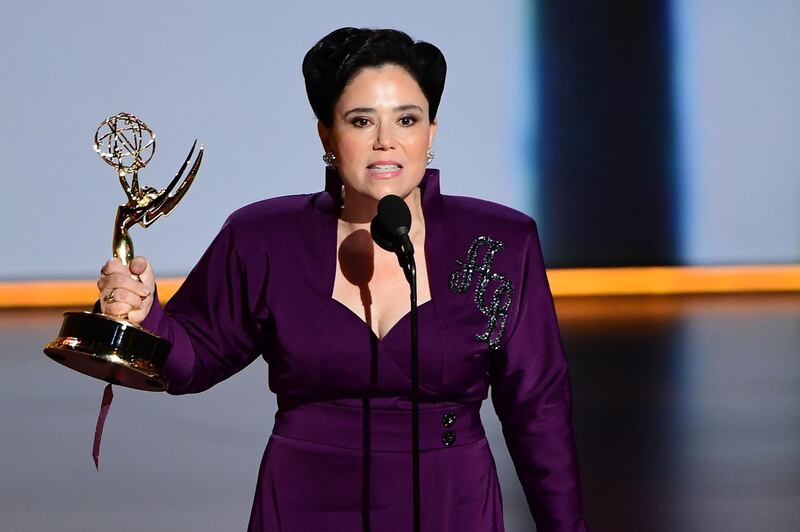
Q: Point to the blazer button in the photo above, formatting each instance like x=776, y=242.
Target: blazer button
x=448, y=419
x=449, y=438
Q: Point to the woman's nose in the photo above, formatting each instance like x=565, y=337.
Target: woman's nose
x=383, y=139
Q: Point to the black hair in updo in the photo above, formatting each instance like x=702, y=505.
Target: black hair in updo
x=336, y=59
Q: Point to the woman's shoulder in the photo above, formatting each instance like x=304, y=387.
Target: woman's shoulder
x=272, y=212
x=474, y=213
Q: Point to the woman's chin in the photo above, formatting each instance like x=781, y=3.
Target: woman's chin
x=375, y=189
x=399, y=186
x=398, y=190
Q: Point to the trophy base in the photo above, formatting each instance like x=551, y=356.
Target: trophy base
x=111, y=349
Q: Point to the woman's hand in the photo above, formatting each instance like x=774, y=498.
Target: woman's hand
x=126, y=290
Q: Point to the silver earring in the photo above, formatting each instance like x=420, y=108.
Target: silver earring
x=330, y=159
x=431, y=155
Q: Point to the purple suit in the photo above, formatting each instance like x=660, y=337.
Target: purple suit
x=339, y=457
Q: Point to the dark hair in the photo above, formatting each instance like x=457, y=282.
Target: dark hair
x=339, y=56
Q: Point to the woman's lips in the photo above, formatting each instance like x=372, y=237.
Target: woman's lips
x=384, y=169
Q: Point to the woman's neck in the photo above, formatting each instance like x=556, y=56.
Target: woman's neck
x=358, y=211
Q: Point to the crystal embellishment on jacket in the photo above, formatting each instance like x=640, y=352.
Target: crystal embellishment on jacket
x=462, y=279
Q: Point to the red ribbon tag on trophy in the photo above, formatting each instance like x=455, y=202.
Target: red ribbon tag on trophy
x=108, y=395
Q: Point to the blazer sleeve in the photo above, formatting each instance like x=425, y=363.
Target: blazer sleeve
x=530, y=391
x=213, y=320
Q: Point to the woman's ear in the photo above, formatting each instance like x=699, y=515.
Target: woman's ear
x=432, y=133
x=324, y=136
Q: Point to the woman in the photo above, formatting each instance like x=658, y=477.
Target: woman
x=298, y=281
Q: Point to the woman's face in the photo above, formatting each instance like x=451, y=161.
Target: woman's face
x=380, y=133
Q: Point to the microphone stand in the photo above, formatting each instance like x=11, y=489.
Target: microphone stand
x=390, y=230
x=411, y=276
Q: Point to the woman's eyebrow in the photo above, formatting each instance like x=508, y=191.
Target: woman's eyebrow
x=409, y=107
x=360, y=110
x=399, y=108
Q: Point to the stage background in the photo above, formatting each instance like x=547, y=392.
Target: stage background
x=661, y=133
x=228, y=74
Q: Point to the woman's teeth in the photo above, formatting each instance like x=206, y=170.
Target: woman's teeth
x=384, y=167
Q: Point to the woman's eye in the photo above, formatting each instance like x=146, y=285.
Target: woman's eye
x=360, y=122
x=408, y=121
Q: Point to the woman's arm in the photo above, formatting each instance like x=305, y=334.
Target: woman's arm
x=530, y=391
x=213, y=321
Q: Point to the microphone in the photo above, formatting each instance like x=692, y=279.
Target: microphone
x=390, y=228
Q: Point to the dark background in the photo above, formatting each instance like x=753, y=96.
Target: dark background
x=607, y=191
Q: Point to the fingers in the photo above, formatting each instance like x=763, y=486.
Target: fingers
x=122, y=303
x=117, y=281
x=130, y=293
x=138, y=265
x=143, y=270
x=114, y=274
x=113, y=265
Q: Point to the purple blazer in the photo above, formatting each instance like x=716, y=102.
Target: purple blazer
x=339, y=457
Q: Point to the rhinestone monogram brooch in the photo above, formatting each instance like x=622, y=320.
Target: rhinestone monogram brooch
x=496, y=310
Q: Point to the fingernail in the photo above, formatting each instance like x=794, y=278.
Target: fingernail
x=146, y=292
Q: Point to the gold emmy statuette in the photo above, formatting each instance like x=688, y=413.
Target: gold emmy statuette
x=111, y=348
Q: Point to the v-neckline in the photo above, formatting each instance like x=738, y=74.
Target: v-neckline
x=395, y=325
x=329, y=204
x=431, y=205
x=332, y=283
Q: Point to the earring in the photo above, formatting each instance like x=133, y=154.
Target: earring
x=431, y=155
x=330, y=159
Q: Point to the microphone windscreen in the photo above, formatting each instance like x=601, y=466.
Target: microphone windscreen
x=393, y=213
